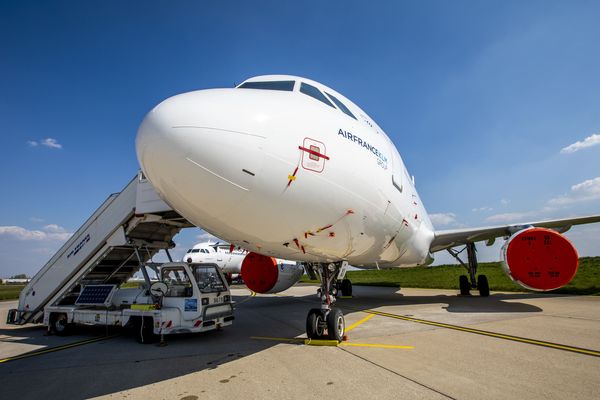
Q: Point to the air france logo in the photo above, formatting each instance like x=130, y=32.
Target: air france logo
x=381, y=159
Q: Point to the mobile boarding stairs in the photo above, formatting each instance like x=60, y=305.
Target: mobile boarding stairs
x=120, y=237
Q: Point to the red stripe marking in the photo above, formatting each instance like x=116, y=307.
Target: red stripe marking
x=294, y=175
x=314, y=153
x=325, y=227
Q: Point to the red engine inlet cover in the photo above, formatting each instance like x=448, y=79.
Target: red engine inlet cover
x=541, y=259
x=259, y=272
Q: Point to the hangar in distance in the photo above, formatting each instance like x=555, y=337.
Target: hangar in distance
x=288, y=168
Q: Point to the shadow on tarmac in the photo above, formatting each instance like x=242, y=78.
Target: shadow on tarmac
x=120, y=363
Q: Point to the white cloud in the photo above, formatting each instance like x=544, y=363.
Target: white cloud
x=504, y=202
x=52, y=143
x=513, y=217
x=206, y=237
x=589, y=141
x=441, y=219
x=36, y=219
x=48, y=142
x=49, y=232
x=482, y=209
x=585, y=191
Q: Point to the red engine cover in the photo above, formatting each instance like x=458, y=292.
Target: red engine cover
x=540, y=259
x=259, y=272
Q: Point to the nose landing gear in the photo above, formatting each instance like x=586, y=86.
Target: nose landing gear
x=328, y=322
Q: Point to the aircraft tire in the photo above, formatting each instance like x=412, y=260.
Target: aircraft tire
x=59, y=324
x=483, y=286
x=314, y=324
x=464, y=285
x=336, y=325
x=346, y=287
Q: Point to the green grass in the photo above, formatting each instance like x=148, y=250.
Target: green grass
x=10, y=292
x=586, y=281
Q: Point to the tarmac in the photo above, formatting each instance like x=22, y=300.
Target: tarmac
x=408, y=343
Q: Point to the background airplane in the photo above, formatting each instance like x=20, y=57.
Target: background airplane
x=286, y=167
x=231, y=260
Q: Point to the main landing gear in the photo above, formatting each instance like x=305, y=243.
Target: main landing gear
x=328, y=322
x=471, y=282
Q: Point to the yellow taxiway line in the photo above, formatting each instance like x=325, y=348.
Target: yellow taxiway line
x=362, y=321
x=252, y=294
x=541, y=343
x=325, y=342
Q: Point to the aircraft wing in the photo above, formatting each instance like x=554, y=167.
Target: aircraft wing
x=456, y=237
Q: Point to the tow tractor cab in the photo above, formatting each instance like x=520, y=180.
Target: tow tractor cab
x=186, y=298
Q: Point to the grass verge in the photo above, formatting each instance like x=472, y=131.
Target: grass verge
x=10, y=292
x=586, y=281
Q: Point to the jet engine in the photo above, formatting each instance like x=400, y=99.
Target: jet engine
x=264, y=274
x=540, y=259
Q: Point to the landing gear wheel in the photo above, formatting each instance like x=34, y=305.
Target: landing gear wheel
x=483, y=286
x=336, y=325
x=346, y=288
x=464, y=285
x=60, y=324
x=315, y=325
x=143, y=330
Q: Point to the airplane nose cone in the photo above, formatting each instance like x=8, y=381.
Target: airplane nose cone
x=197, y=155
x=154, y=138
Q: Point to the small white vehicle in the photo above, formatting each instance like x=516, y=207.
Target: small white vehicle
x=187, y=298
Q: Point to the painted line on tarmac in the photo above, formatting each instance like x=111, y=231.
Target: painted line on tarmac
x=57, y=348
x=519, y=339
x=334, y=343
x=252, y=294
x=362, y=321
x=376, y=345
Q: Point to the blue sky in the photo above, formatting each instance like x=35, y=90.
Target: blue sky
x=479, y=97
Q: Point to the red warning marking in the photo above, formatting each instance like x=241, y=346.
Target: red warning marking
x=323, y=228
x=297, y=243
x=260, y=272
x=313, y=155
x=349, y=212
x=405, y=222
x=304, y=251
x=231, y=247
x=541, y=259
x=331, y=234
x=416, y=216
x=313, y=152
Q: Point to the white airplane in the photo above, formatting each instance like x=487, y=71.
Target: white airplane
x=230, y=259
x=225, y=256
x=286, y=167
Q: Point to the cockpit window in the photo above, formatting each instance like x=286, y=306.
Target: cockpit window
x=287, y=86
x=340, y=105
x=312, y=91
